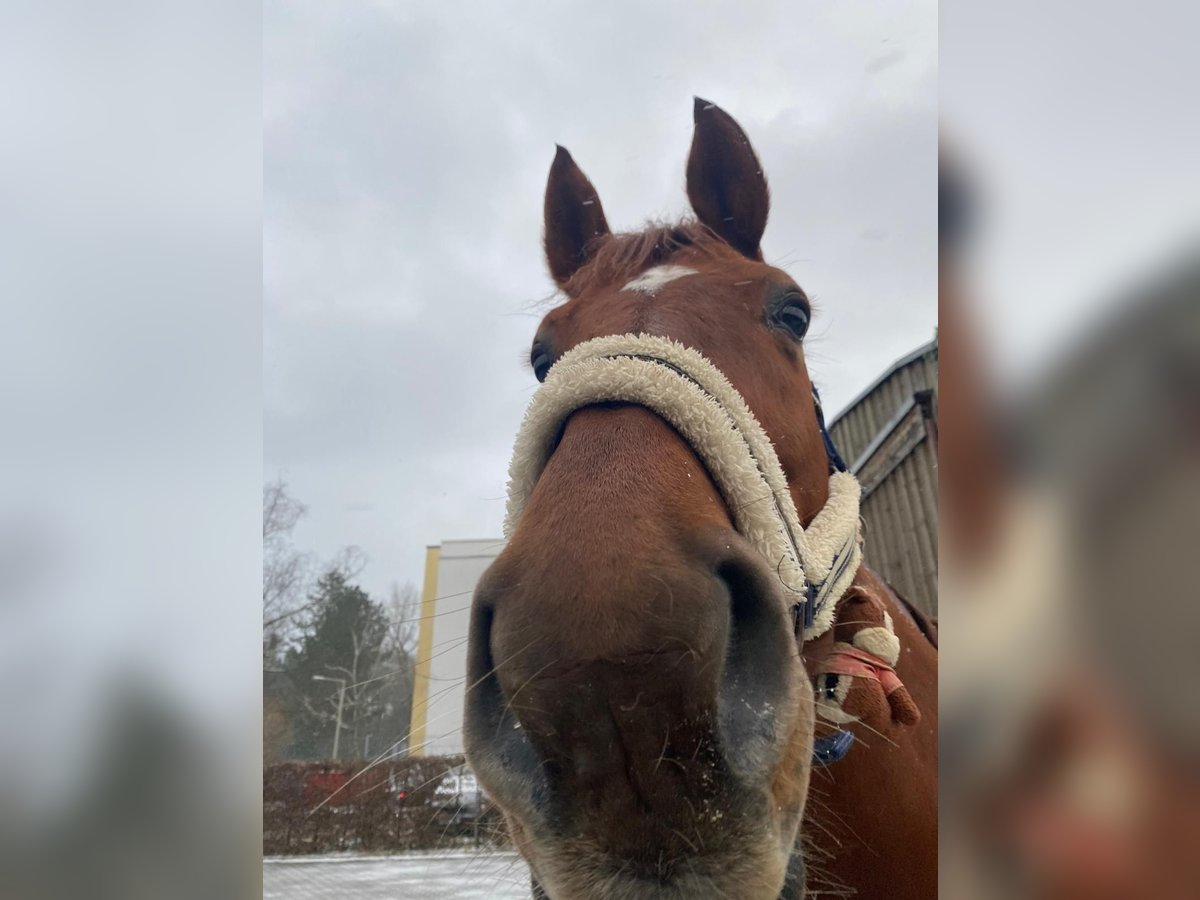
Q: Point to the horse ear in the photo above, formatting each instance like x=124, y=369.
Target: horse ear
x=574, y=217
x=725, y=181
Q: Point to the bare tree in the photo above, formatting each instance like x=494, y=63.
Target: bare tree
x=399, y=661
x=349, y=562
x=287, y=572
x=403, y=611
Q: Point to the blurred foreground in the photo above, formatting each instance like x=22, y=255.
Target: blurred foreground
x=1070, y=751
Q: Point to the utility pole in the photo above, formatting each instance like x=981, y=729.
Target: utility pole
x=337, y=728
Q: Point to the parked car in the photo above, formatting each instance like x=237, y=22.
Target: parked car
x=459, y=800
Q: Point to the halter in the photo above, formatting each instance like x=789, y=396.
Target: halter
x=831, y=748
x=815, y=565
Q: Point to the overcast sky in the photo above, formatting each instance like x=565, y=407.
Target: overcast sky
x=406, y=148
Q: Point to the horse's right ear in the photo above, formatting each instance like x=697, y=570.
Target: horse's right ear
x=725, y=181
x=574, y=218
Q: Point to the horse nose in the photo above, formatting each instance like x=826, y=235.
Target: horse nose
x=652, y=694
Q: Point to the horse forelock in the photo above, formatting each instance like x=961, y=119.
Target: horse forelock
x=622, y=257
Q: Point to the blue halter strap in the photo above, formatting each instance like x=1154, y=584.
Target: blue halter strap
x=836, y=463
x=832, y=748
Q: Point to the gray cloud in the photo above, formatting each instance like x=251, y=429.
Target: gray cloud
x=405, y=154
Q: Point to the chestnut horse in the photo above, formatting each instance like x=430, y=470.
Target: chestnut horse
x=642, y=705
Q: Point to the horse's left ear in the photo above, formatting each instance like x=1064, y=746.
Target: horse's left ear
x=725, y=181
x=574, y=218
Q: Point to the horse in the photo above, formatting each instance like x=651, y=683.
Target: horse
x=682, y=682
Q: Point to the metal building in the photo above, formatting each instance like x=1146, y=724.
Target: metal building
x=888, y=437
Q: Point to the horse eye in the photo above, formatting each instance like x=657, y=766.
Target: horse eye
x=541, y=361
x=793, y=315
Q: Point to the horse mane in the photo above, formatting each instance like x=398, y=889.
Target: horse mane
x=620, y=257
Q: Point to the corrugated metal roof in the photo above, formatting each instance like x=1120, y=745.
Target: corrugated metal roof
x=891, y=370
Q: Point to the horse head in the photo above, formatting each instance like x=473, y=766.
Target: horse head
x=638, y=706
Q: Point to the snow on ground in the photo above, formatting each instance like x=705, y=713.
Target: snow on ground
x=468, y=875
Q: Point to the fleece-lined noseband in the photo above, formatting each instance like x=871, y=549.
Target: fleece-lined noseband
x=815, y=565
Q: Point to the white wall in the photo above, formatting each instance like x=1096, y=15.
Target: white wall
x=460, y=565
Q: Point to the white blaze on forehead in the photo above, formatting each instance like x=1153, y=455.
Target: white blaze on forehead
x=652, y=279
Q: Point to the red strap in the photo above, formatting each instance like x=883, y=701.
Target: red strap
x=848, y=660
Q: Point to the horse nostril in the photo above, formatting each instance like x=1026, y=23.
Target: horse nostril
x=497, y=747
x=482, y=689
x=485, y=709
x=749, y=610
x=489, y=711
x=759, y=667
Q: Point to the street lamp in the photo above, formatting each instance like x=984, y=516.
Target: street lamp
x=337, y=729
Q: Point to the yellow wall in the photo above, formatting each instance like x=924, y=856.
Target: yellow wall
x=420, y=703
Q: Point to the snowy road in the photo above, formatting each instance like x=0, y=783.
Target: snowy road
x=442, y=876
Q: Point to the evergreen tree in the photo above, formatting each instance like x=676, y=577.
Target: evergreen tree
x=343, y=638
